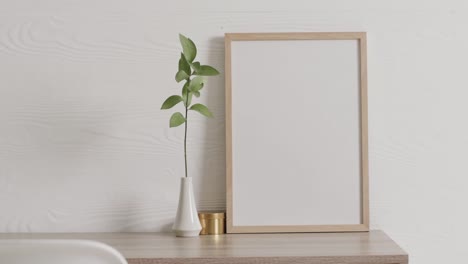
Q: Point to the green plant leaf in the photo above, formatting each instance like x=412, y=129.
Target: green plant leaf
x=197, y=93
x=206, y=70
x=180, y=76
x=177, y=119
x=184, y=65
x=202, y=110
x=196, y=84
x=190, y=50
x=186, y=94
x=195, y=66
x=171, y=101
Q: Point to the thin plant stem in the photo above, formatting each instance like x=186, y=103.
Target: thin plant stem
x=185, y=138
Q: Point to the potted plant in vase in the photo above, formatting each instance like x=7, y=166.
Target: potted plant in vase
x=191, y=73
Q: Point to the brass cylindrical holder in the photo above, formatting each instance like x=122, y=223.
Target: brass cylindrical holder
x=213, y=223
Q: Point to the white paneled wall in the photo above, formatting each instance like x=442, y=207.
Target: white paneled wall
x=84, y=146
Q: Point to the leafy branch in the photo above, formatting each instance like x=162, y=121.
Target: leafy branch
x=191, y=73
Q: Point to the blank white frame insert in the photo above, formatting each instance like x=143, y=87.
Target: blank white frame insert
x=296, y=132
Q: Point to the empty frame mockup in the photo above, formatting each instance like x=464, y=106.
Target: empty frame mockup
x=296, y=132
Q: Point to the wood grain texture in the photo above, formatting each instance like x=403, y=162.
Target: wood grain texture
x=83, y=146
x=295, y=36
x=145, y=248
x=80, y=95
x=228, y=140
x=364, y=128
x=274, y=260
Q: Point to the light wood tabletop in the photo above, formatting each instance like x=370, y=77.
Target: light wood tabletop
x=373, y=247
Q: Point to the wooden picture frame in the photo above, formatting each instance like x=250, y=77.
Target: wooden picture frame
x=248, y=64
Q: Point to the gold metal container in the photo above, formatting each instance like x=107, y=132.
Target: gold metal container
x=213, y=223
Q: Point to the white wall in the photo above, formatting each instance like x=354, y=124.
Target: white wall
x=84, y=146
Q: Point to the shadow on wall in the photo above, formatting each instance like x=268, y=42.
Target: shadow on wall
x=212, y=186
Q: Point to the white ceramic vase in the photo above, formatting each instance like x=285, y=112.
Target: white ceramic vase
x=186, y=223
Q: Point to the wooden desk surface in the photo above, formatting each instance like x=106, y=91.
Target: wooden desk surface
x=374, y=247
